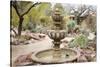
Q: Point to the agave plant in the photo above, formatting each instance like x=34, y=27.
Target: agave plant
x=79, y=41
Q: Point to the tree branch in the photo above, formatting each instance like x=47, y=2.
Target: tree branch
x=14, y=4
x=82, y=12
x=30, y=8
x=14, y=31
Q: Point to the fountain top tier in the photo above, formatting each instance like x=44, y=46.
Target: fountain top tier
x=57, y=18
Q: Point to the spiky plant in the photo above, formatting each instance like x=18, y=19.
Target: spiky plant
x=79, y=41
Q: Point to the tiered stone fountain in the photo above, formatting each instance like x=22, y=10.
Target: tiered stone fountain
x=56, y=54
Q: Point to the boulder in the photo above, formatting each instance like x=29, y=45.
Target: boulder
x=23, y=59
x=82, y=58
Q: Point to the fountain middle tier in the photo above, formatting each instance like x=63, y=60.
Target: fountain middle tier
x=57, y=36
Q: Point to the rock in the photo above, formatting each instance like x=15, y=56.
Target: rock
x=89, y=54
x=15, y=41
x=42, y=35
x=92, y=46
x=32, y=41
x=35, y=36
x=64, y=45
x=67, y=39
x=93, y=59
x=26, y=42
x=65, y=42
x=82, y=58
x=91, y=36
x=23, y=59
x=12, y=34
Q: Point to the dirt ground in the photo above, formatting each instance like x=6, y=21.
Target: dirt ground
x=25, y=49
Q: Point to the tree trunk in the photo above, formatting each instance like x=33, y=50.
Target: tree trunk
x=15, y=5
x=20, y=25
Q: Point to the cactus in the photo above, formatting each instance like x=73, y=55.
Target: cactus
x=79, y=41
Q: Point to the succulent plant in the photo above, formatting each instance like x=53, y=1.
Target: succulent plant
x=79, y=41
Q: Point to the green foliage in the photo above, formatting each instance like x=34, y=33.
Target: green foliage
x=14, y=18
x=25, y=22
x=79, y=41
x=45, y=20
x=71, y=24
x=23, y=6
x=38, y=11
x=36, y=16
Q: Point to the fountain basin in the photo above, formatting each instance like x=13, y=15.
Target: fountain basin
x=55, y=56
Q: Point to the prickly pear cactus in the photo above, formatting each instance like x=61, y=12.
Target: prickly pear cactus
x=79, y=41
